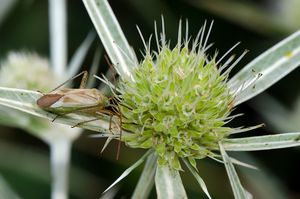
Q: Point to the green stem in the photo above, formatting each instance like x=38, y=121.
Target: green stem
x=60, y=158
x=58, y=36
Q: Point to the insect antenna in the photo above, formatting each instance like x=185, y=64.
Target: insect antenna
x=117, y=110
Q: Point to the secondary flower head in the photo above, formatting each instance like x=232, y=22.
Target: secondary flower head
x=28, y=71
x=178, y=102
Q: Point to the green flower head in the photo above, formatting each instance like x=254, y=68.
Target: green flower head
x=178, y=102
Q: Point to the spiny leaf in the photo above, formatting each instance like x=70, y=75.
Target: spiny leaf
x=130, y=169
x=265, y=142
x=168, y=183
x=146, y=181
x=238, y=191
x=111, y=36
x=198, y=178
x=273, y=65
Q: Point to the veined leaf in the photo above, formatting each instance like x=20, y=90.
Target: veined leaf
x=234, y=161
x=112, y=36
x=265, y=142
x=238, y=191
x=168, y=183
x=272, y=65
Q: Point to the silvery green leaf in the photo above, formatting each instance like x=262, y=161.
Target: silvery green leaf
x=234, y=161
x=146, y=181
x=266, y=69
x=108, y=140
x=198, y=178
x=248, y=195
x=240, y=163
x=265, y=142
x=111, y=194
x=112, y=36
x=130, y=169
x=238, y=191
x=168, y=183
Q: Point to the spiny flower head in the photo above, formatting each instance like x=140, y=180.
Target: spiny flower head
x=178, y=102
x=28, y=71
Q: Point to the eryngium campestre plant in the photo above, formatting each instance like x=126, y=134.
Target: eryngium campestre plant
x=178, y=102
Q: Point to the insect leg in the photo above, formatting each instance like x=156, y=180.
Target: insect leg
x=120, y=125
x=84, y=79
x=112, y=114
x=57, y=116
x=82, y=84
x=86, y=121
x=117, y=112
x=91, y=120
x=119, y=144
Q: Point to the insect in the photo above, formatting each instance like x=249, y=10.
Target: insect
x=91, y=102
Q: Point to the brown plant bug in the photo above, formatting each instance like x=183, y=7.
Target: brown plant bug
x=91, y=102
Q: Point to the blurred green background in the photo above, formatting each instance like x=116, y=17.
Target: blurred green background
x=258, y=24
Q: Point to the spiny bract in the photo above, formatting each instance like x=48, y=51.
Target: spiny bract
x=177, y=104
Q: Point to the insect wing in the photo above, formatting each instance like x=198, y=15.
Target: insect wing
x=48, y=100
x=79, y=98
